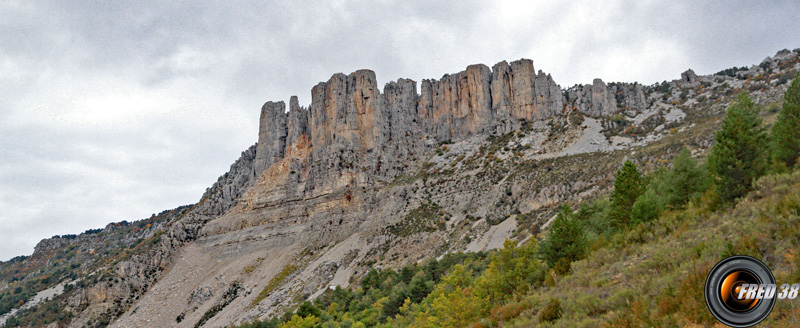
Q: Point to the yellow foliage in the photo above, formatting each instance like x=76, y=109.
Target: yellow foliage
x=299, y=322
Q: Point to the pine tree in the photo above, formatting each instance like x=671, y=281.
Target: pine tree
x=513, y=270
x=786, y=130
x=565, y=239
x=307, y=309
x=453, y=301
x=685, y=180
x=628, y=186
x=738, y=155
x=419, y=288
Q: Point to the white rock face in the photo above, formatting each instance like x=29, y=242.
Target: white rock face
x=688, y=79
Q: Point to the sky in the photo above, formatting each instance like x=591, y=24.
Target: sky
x=113, y=111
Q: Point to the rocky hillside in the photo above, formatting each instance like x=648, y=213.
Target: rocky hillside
x=365, y=179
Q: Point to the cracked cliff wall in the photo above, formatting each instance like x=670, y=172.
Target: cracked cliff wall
x=357, y=133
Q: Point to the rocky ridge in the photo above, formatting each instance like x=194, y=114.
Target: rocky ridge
x=354, y=128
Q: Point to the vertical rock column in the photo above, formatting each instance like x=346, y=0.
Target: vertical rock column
x=474, y=111
x=296, y=123
x=271, y=135
x=405, y=138
x=518, y=93
x=458, y=105
x=603, y=102
x=549, y=101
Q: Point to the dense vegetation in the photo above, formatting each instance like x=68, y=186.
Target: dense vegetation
x=636, y=258
x=381, y=296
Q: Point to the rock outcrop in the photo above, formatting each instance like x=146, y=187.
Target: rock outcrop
x=518, y=93
x=296, y=123
x=630, y=97
x=458, y=105
x=688, y=79
x=271, y=135
x=356, y=133
x=593, y=99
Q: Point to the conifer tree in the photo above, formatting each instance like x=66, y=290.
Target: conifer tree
x=628, y=186
x=738, y=155
x=685, y=180
x=565, y=239
x=513, y=270
x=786, y=130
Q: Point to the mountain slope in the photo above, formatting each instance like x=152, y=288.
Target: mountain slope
x=364, y=179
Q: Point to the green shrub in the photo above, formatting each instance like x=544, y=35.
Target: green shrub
x=594, y=216
x=551, y=312
x=646, y=208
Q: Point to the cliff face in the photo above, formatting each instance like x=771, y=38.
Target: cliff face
x=518, y=93
x=358, y=133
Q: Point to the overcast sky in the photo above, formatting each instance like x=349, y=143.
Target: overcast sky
x=113, y=111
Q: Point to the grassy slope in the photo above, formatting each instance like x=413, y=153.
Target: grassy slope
x=653, y=275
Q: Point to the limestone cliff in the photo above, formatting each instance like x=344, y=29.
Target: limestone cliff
x=358, y=133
